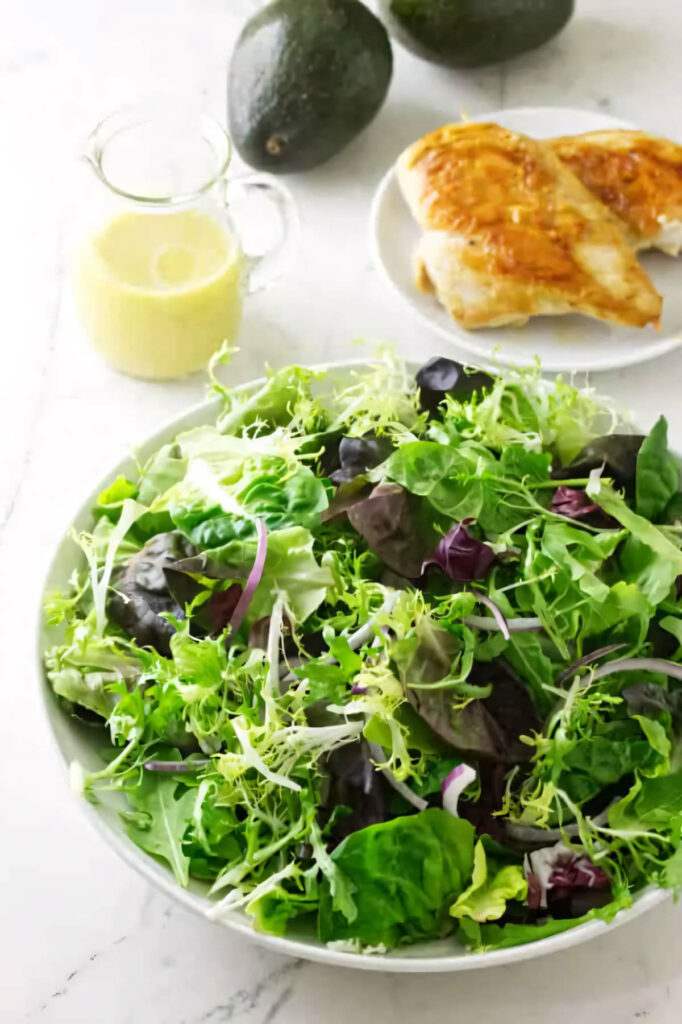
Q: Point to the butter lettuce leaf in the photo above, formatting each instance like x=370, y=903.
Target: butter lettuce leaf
x=405, y=874
x=491, y=886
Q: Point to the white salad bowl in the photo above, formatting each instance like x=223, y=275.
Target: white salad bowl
x=79, y=742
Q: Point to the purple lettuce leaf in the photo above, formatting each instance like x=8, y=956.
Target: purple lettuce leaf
x=461, y=556
x=573, y=503
x=486, y=728
x=389, y=520
x=352, y=782
x=358, y=454
x=142, y=595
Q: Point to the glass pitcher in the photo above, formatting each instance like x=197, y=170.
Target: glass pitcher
x=160, y=270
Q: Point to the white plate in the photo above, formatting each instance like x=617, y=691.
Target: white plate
x=564, y=342
x=79, y=742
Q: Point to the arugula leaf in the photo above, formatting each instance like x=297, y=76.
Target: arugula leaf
x=162, y=818
x=405, y=874
x=658, y=473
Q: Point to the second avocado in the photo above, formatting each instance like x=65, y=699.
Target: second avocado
x=471, y=33
x=306, y=77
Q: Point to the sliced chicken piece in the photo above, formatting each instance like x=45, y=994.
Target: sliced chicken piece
x=510, y=233
x=638, y=176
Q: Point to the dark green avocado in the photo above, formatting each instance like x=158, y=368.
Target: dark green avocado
x=471, y=33
x=306, y=77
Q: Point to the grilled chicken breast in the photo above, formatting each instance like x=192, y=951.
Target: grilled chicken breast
x=510, y=233
x=638, y=176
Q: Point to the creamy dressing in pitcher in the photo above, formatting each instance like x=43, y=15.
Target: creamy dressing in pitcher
x=158, y=293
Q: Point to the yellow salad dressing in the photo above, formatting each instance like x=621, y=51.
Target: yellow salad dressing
x=158, y=293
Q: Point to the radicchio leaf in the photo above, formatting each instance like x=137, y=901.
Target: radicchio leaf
x=461, y=556
x=576, y=504
x=565, y=882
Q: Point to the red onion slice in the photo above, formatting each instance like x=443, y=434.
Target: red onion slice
x=520, y=625
x=666, y=668
x=176, y=766
x=406, y=793
x=497, y=614
x=453, y=785
x=253, y=580
x=587, y=659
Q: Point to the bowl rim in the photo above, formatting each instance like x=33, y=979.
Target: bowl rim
x=157, y=875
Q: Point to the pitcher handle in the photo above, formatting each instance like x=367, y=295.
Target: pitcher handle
x=263, y=268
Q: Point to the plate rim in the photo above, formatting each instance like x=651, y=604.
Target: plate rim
x=466, y=341
x=161, y=878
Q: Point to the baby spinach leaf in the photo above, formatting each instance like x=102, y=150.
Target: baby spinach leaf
x=517, y=461
x=406, y=873
x=658, y=473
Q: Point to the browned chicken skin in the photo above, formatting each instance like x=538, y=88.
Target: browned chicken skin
x=509, y=233
x=638, y=176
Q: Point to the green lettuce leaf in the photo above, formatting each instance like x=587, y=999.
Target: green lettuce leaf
x=486, y=898
x=292, y=572
x=83, y=671
x=654, y=803
x=273, y=404
x=648, y=558
x=482, y=937
x=405, y=874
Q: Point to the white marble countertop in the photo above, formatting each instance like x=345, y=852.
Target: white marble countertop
x=84, y=939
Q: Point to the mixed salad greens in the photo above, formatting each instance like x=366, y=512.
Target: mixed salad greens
x=397, y=660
